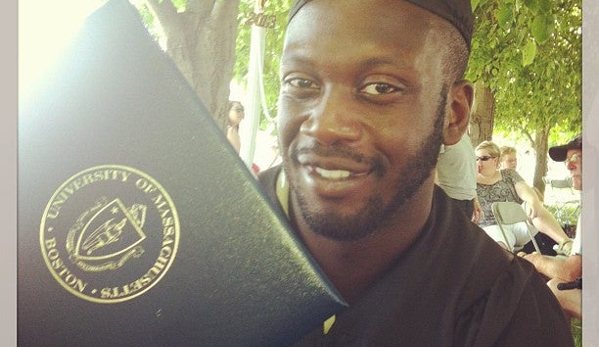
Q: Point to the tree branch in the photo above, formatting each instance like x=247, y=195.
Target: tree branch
x=164, y=11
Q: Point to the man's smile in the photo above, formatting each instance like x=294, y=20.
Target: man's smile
x=332, y=174
x=335, y=178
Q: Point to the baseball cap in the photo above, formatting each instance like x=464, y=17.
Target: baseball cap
x=559, y=153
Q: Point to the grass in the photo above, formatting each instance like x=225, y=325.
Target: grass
x=576, y=325
x=567, y=215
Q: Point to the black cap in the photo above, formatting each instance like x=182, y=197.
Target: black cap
x=559, y=153
x=456, y=12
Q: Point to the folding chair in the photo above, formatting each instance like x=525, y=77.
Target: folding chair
x=559, y=189
x=511, y=213
x=563, y=183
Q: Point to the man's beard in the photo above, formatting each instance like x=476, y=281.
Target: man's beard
x=375, y=213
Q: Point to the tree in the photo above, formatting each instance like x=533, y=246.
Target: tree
x=481, y=114
x=209, y=40
x=199, y=36
x=525, y=62
x=528, y=55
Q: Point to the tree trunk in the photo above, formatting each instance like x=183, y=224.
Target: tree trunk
x=482, y=115
x=541, y=146
x=201, y=42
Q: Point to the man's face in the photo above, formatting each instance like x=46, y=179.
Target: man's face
x=574, y=165
x=361, y=111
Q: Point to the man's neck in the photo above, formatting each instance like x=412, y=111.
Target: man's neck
x=353, y=266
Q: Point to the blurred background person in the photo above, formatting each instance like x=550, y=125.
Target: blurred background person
x=508, y=158
x=499, y=185
x=561, y=269
x=235, y=116
x=456, y=175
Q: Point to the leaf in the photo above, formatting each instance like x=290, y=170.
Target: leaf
x=476, y=3
x=542, y=27
x=504, y=15
x=528, y=53
x=545, y=6
x=522, y=34
x=179, y=4
x=533, y=5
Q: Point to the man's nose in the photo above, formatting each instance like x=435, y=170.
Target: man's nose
x=333, y=120
x=571, y=166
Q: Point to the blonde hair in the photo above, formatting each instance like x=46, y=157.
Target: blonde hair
x=506, y=150
x=491, y=147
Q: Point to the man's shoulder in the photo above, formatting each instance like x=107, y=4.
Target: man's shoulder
x=471, y=251
x=496, y=288
x=268, y=181
x=521, y=304
x=270, y=173
x=268, y=177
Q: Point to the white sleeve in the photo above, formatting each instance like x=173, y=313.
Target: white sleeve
x=577, y=244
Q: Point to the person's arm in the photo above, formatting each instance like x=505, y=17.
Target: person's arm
x=570, y=300
x=234, y=139
x=526, y=193
x=541, y=218
x=478, y=211
x=565, y=268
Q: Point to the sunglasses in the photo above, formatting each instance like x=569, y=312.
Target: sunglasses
x=573, y=159
x=484, y=158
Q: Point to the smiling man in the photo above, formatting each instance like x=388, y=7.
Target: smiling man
x=369, y=92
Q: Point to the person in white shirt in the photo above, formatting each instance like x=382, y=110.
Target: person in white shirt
x=560, y=269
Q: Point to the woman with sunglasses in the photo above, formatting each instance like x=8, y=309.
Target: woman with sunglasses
x=498, y=185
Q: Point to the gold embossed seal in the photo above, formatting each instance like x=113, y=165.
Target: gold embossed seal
x=109, y=233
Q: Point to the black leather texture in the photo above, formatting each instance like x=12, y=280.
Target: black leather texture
x=138, y=224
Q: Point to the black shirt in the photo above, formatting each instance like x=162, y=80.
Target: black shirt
x=453, y=287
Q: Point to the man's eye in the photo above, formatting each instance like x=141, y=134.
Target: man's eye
x=379, y=89
x=302, y=83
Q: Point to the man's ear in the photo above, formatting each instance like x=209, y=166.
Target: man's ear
x=457, y=119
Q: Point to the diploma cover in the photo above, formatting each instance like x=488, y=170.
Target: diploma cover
x=138, y=224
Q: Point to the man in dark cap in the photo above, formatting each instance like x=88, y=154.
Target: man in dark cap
x=565, y=270
x=369, y=92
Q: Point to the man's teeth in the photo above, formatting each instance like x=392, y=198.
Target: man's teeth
x=334, y=174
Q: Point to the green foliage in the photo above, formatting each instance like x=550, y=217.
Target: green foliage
x=576, y=325
x=148, y=20
x=541, y=27
x=565, y=213
x=180, y=4
x=146, y=16
x=504, y=15
x=529, y=52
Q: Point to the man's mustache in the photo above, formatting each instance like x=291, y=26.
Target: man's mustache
x=338, y=150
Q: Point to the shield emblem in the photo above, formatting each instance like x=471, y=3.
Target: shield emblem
x=111, y=232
